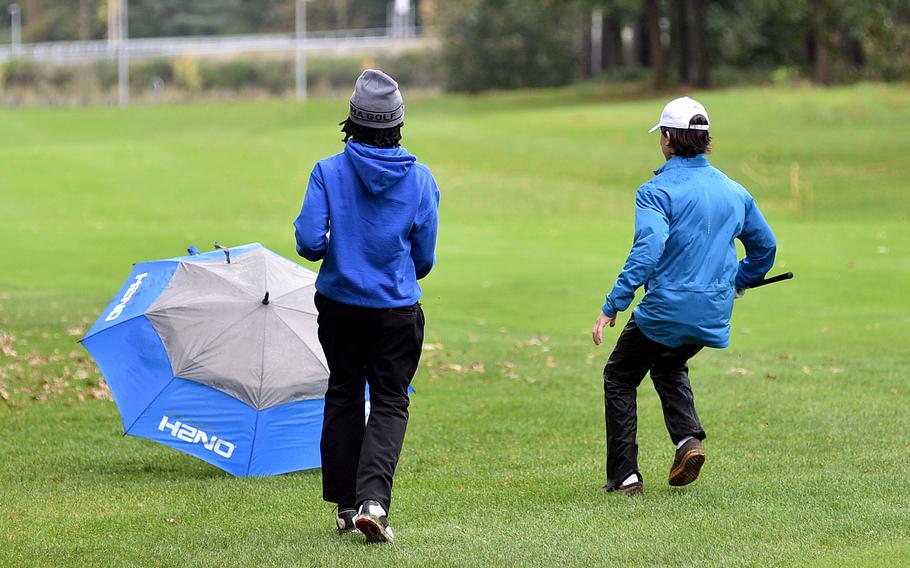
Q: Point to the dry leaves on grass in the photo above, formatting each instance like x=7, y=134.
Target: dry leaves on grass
x=43, y=377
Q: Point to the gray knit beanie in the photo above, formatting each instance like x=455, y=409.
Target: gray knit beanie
x=376, y=102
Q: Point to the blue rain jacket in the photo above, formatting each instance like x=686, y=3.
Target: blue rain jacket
x=372, y=214
x=686, y=219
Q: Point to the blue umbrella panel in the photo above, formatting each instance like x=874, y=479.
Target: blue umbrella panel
x=217, y=355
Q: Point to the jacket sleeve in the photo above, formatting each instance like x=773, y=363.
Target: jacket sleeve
x=761, y=246
x=652, y=227
x=423, y=233
x=312, y=225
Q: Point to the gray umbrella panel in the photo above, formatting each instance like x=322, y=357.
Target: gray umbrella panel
x=217, y=331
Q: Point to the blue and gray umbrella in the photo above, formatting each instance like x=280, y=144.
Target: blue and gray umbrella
x=217, y=355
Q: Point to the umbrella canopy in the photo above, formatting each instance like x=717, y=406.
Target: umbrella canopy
x=217, y=355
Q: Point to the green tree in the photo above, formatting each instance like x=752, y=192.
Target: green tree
x=506, y=44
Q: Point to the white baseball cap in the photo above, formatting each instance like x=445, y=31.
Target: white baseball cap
x=679, y=112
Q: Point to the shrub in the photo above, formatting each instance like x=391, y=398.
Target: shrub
x=508, y=44
x=414, y=68
x=143, y=73
x=21, y=73
x=187, y=74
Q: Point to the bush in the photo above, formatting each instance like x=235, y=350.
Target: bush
x=142, y=74
x=335, y=74
x=21, y=73
x=187, y=74
x=276, y=77
x=414, y=69
x=272, y=76
x=107, y=74
x=60, y=77
x=231, y=75
x=508, y=44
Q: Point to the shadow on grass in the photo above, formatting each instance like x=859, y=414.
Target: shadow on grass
x=183, y=467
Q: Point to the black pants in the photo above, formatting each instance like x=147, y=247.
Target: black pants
x=632, y=358
x=362, y=345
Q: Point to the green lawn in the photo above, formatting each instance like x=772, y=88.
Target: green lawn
x=807, y=412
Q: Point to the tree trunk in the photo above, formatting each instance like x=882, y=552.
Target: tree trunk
x=33, y=15
x=640, y=45
x=679, y=39
x=655, y=46
x=852, y=47
x=85, y=19
x=612, y=42
x=584, y=45
x=597, y=38
x=698, y=18
x=821, y=54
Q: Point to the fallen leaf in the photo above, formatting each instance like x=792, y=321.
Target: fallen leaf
x=836, y=370
x=739, y=371
x=826, y=329
x=807, y=370
x=551, y=362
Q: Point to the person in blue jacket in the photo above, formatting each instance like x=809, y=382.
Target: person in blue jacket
x=371, y=215
x=687, y=218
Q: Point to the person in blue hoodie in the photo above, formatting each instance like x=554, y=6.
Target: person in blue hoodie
x=687, y=218
x=371, y=215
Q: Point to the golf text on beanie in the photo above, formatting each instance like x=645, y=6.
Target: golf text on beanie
x=679, y=112
x=376, y=102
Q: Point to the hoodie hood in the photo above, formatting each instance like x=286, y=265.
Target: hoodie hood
x=379, y=168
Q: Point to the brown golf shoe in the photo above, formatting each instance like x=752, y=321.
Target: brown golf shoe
x=631, y=489
x=687, y=465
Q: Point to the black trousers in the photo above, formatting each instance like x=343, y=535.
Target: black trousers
x=632, y=358
x=363, y=345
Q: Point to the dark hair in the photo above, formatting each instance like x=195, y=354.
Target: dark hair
x=687, y=142
x=379, y=137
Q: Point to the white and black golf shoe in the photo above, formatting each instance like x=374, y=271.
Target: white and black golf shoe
x=344, y=521
x=373, y=522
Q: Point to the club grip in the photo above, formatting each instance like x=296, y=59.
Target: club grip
x=773, y=279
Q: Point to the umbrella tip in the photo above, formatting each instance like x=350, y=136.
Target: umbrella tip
x=227, y=251
x=265, y=301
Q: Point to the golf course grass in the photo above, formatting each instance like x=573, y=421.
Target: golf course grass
x=807, y=412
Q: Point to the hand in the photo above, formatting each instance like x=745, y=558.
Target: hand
x=598, y=332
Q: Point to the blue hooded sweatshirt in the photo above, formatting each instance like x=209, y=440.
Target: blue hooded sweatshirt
x=372, y=214
x=687, y=218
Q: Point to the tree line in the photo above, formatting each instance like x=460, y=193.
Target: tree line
x=524, y=43
x=496, y=44
x=63, y=20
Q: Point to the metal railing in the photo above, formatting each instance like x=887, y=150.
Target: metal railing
x=151, y=48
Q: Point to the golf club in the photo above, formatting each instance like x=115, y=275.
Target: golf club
x=773, y=279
